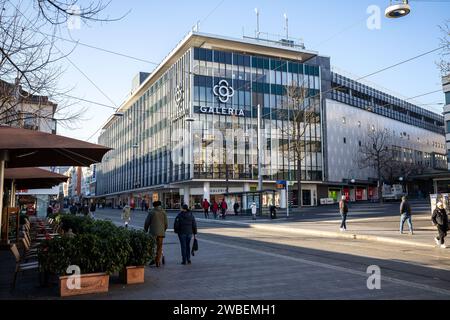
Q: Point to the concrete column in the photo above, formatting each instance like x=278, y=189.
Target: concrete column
x=283, y=199
x=244, y=197
x=187, y=195
x=206, y=191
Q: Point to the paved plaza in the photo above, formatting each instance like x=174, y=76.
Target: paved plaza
x=242, y=259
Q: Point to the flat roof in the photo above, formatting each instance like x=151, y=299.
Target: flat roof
x=259, y=47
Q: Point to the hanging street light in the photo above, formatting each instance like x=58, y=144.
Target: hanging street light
x=398, y=10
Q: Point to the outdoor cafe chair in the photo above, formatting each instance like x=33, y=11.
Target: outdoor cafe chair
x=21, y=266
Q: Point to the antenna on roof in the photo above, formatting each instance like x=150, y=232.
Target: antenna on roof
x=257, y=23
x=196, y=27
x=286, y=26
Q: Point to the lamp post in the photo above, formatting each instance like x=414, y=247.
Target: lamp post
x=398, y=10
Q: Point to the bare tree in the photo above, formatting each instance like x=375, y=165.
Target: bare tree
x=375, y=152
x=404, y=169
x=302, y=112
x=30, y=59
x=444, y=63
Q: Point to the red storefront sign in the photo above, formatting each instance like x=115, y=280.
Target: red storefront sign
x=359, y=194
x=346, y=192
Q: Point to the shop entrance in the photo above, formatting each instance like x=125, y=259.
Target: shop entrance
x=306, y=198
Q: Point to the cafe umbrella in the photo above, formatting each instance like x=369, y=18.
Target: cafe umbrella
x=21, y=148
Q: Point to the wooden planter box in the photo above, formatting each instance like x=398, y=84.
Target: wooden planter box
x=90, y=283
x=132, y=275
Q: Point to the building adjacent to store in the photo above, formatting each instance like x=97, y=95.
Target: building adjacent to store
x=189, y=129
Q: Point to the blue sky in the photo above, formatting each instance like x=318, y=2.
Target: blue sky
x=334, y=28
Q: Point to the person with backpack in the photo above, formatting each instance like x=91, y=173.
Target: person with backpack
x=205, y=206
x=215, y=208
x=440, y=220
x=223, y=208
x=185, y=226
x=157, y=223
x=405, y=214
x=343, y=210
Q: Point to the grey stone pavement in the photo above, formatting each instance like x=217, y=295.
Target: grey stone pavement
x=240, y=259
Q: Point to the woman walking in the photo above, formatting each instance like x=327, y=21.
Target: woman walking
x=440, y=220
x=185, y=226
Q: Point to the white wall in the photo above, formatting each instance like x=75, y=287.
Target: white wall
x=342, y=158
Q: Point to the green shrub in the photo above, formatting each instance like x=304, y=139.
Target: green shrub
x=142, y=248
x=90, y=252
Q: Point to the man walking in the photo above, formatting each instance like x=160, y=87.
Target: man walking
x=236, y=208
x=185, y=226
x=157, y=223
x=405, y=214
x=206, y=205
x=343, y=210
x=440, y=220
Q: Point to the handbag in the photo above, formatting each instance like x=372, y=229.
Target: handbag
x=194, y=246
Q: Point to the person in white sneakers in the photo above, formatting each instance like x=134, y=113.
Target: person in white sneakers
x=343, y=210
x=440, y=220
x=126, y=215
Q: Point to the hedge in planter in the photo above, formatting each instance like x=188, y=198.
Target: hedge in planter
x=142, y=248
x=90, y=252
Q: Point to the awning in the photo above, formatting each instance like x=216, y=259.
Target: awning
x=29, y=148
x=33, y=178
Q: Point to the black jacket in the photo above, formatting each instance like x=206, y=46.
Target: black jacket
x=440, y=218
x=405, y=207
x=185, y=223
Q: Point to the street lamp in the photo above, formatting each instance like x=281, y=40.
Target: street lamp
x=398, y=10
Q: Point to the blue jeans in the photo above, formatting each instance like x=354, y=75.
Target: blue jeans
x=404, y=217
x=344, y=220
x=185, y=242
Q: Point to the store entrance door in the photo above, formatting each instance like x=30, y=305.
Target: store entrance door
x=306, y=197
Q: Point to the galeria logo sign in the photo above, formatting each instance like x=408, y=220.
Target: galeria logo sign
x=179, y=95
x=223, y=91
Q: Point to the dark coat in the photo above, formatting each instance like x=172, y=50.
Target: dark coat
x=440, y=219
x=185, y=223
x=405, y=207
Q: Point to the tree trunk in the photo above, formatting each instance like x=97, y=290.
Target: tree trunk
x=380, y=189
x=299, y=183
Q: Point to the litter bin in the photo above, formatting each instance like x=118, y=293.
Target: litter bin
x=273, y=212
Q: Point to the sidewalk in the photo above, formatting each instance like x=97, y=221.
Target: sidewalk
x=384, y=229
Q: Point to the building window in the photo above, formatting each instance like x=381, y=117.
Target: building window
x=447, y=97
x=343, y=120
x=359, y=143
x=448, y=126
x=345, y=140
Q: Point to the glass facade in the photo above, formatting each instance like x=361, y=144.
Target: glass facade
x=359, y=95
x=142, y=138
x=256, y=81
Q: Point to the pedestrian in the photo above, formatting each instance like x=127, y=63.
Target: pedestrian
x=85, y=210
x=126, y=215
x=92, y=210
x=254, y=210
x=440, y=220
x=223, y=208
x=206, y=205
x=49, y=210
x=236, y=208
x=215, y=208
x=405, y=214
x=73, y=209
x=157, y=223
x=185, y=226
x=343, y=210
